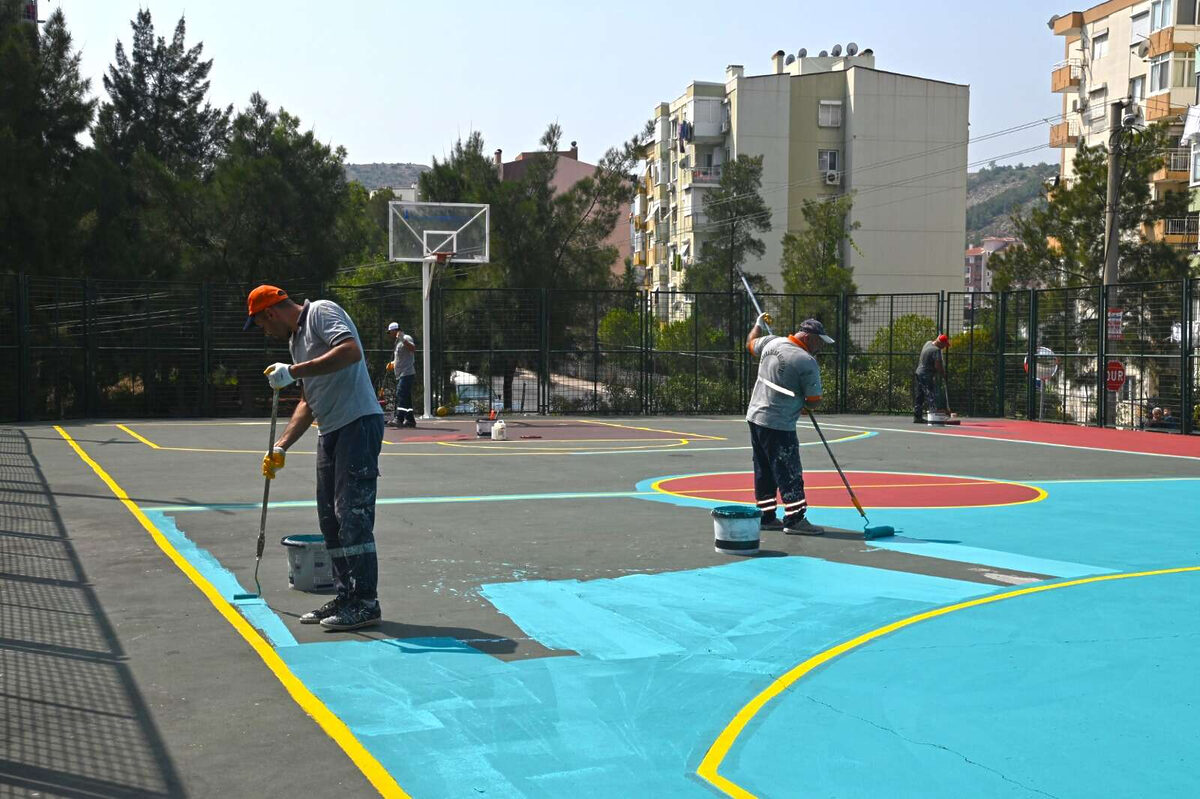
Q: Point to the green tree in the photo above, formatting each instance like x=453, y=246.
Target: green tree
x=44, y=106
x=274, y=205
x=157, y=102
x=1062, y=244
x=735, y=214
x=814, y=259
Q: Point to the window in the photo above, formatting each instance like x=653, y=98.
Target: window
x=1160, y=15
x=1099, y=46
x=1139, y=27
x=1159, y=73
x=1183, y=69
x=1195, y=163
x=1137, y=89
x=829, y=114
x=1097, y=109
x=828, y=160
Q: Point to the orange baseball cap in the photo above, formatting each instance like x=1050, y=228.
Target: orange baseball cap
x=260, y=299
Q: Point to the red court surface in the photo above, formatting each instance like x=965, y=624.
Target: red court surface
x=1101, y=438
x=824, y=489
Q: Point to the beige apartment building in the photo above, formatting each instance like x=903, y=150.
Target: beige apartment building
x=1144, y=52
x=825, y=125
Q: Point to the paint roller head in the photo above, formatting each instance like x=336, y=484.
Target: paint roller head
x=883, y=531
x=245, y=597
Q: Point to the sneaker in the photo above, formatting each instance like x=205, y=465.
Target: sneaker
x=324, y=612
x=353, y=616
x=771, y=522
x=801, y=526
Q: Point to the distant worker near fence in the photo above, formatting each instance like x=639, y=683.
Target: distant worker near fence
x=336, y=393
x=404, y=367
x=929, y=367
x=789, y=383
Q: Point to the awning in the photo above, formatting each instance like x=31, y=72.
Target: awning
x=1191, y=126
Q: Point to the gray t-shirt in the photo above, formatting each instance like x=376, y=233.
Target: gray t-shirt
x=930, y=354
x=403, y=357
x=336, y=399
x=787, y=375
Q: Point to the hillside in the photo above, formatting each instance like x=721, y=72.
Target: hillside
x=993, y=191
x=377, y=176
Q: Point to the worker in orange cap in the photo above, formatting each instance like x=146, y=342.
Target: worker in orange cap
x=929, y=367
x=336, y=393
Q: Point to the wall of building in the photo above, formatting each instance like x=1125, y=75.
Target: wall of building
x=907, y=167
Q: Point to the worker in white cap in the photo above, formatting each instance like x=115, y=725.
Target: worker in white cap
x=403, y=366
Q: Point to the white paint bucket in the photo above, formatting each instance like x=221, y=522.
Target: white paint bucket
x=499, y=431
x=309, y=566
x=736, y=529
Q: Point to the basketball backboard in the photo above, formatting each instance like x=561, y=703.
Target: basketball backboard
x=416, y=231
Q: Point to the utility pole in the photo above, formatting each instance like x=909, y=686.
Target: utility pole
x=1111, y=228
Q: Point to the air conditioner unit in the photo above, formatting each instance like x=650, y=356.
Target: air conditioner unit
x=833, y=178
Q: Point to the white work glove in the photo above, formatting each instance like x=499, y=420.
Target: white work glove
x=279, y=375
x=764, y=320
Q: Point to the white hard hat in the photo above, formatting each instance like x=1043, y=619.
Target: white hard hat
x=393, y=327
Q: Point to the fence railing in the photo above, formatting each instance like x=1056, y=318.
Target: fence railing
x=87, y=348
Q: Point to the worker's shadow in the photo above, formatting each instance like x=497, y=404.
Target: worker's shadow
x=421, y=638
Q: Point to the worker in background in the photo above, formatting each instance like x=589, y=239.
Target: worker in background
x=929, y=367
x=403, y=366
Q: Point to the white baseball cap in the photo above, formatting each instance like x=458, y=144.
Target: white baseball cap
x=393, y=327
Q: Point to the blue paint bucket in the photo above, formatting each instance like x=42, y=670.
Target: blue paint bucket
x=735, y=529
x=309, y=566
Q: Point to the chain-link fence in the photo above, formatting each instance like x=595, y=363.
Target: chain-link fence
x=85, y=348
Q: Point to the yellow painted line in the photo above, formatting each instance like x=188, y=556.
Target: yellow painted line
x=140, y=438
x=708, y=769
x=655, y=430
x=333, y=726
x=660, y=444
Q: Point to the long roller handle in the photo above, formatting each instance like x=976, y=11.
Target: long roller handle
x=262, y=522
x=837, y=466
x=754, y=300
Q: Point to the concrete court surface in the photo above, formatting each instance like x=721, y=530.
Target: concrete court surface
x=556, y=619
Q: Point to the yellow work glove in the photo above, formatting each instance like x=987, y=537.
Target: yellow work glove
x=273, y=462
x=391, y=367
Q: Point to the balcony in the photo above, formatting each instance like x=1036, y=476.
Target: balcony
x=704, y=175
x=1160, y=106
x=639, y=258
x=1177, y=232
x=1068, y=24
x=1176, y=167
x=1065, y=133
x=1161, y=41
x=1066, y=75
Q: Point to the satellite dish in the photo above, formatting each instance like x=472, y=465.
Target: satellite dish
x=852, y=49
x=823, y=54
x=789, y=60
x=803, y=52
x=1143, y=50
x=837, y=50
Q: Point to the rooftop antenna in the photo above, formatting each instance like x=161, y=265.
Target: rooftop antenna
x=852, y=49
x=789, y=59
x=837, y=50
x=803, y=52
x=823, y=54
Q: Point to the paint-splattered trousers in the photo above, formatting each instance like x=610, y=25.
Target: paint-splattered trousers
x=347, y=473
x=777, y=470
x=404, y=406
x=924, y=395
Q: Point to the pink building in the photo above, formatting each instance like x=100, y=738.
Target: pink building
x=569, y=171
x=978, y=276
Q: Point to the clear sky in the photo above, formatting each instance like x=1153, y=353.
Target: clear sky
x=402, y=80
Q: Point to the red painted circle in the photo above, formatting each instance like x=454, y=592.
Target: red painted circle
x=1114, y=375
x=824, y=489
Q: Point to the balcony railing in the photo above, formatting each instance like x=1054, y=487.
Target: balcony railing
x=1185, y=226
x=1065, y=133
x=706, y=174
x=1178, y=160
x=1066, y=75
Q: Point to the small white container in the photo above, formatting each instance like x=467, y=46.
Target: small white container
x=499, y=431
x=309, y=566
x=736, y=529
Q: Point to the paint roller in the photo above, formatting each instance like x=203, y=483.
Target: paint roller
x=262, y=522
x=882, y=531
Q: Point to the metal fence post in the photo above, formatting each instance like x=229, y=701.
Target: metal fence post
x=1031, y=358
x=844, y=354
x=1185, y=366
x=1000, y=342
x=1102, y=357
x=89, y=362
x=206, y=388
x=891, y=345
x=24, y=374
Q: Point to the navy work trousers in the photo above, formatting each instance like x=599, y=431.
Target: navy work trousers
x=777, y=470
x=347, y=473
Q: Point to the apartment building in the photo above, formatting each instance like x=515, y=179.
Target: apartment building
x=825, y=124
x=977, y=276
x=1144, y=52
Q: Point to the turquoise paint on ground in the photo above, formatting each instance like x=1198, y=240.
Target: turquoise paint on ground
x=989, y=557
x=1088, y=690
x=255, y=610
x=665, y=661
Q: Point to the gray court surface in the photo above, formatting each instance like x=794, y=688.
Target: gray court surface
x=120, y=678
